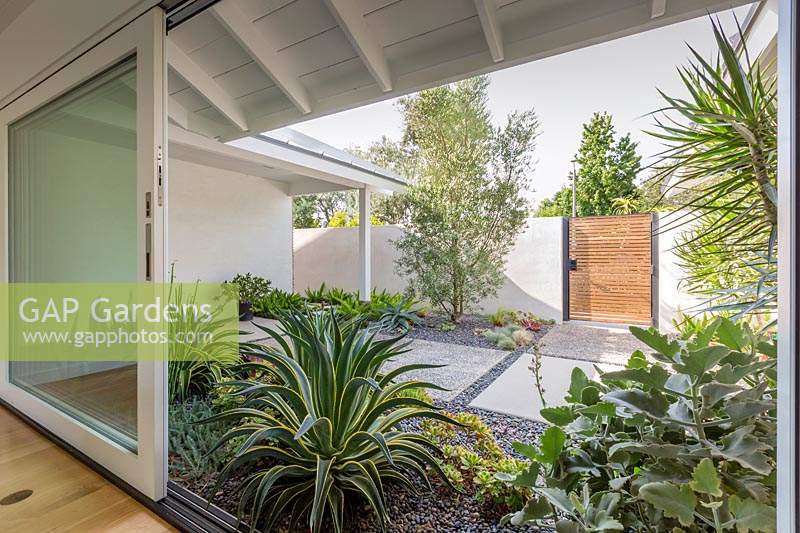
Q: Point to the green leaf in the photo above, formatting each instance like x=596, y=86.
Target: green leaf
x=731, y=334
x=557, y=498
x=698, y=362
x=752, y=515
x=637, y=360
x=590, y=395
x=639, y=401
x=551, y=444
x=528, y=450
x=675, y=501
x=603, y=522
x=705, y=479
x=664, y=450
x=741, y=446
x=656, y=341
x=742, y=410
x=655, y=378
x=560, y=416
x=578, y=382
x=535, y=509
x=713, y=392
x=568, y=526
x=600, y=408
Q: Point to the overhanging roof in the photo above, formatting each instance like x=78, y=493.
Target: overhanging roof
x=248, y=66
x=300, y=171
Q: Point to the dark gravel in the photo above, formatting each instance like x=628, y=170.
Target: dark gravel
x=464, y=333
x=444, y=510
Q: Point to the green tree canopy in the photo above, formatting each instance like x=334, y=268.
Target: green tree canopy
x=468, y=200
x=607, y=170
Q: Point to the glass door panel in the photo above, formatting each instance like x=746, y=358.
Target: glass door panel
x=80, y=161
x=72, y=219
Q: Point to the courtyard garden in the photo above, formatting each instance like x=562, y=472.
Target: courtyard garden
x=338, y=414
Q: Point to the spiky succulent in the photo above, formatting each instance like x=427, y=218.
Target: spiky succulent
x=323, y=433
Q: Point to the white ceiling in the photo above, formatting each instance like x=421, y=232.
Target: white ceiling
x=247, y=66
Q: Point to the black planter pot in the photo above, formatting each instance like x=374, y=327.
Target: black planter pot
x=245, y=311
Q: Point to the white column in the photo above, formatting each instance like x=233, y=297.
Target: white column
x=364, y=243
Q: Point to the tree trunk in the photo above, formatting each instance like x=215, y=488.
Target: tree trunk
x=762, y=178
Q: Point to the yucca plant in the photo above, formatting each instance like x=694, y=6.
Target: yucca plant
x=327, y=435
x=721, y=157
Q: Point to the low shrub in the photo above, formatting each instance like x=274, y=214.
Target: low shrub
x=502, y=317
x=683, y=440
x=190, y=442
x=278, y=302
x=251, y=288
x=326, y=432
x=509, y=337
x=474, y=466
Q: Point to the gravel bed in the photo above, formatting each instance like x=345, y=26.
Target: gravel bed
x=464, y=333
x=444, y=510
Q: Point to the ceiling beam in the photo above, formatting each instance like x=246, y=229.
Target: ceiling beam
x=263, y=52
x=487, y=13
x=351, y=21
x=203, y=83
x=657, y=8
x=177, y=113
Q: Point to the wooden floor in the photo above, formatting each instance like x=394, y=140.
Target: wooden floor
x=108, y=396
x=67, y=495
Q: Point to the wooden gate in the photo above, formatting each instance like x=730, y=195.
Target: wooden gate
x=610, y=270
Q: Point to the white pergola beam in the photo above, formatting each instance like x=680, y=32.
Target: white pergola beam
x=263, y=53
x=351, y=21
x=177, y=113
x=365, y=243
x=203, y=83
x=487, y=13
x=657, y=8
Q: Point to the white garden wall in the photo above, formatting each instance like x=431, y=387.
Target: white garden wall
x=534, y=272
x=222, y=223
x=669, y=291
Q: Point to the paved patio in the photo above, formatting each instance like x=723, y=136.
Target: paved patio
x=591, y=342
x=565, y=347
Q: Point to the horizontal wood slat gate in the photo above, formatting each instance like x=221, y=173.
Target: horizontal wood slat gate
x=610, y=276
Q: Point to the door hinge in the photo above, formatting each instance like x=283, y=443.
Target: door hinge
x=160, y=175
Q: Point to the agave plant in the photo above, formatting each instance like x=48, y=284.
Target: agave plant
x=324, y=433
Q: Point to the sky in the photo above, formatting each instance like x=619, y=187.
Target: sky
x=619, y=77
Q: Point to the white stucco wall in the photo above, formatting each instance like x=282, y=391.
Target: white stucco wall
x=670, y=292
x=222, y=223
x=533, y=277
x=330, y=255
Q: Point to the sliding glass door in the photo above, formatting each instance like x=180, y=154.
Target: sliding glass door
x=82, y=160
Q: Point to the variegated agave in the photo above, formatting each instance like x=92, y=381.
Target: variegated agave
x=320, y=424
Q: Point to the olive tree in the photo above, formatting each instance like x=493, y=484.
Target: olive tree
x=468, y=201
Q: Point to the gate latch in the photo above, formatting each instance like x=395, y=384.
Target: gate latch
x=573, y=264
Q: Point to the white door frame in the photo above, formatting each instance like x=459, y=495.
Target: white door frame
x=146, y=469
x=788, y=250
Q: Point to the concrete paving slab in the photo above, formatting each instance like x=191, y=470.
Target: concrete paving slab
x=514, y=392
x=465, y=364
x=585, y=342
x=253, y=333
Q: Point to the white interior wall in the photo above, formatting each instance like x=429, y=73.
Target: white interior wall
x=222, y=223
